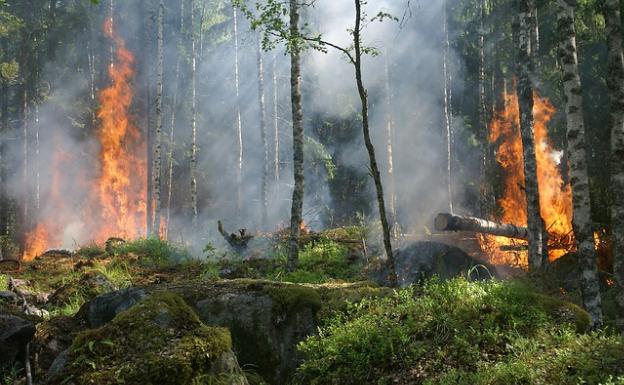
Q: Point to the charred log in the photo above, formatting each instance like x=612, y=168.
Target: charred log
x=450, y=222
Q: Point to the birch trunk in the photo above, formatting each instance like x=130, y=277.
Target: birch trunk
x=25, y=155
x=276, y=138
x=578, y=162
x=239, y=127
x=193, y=163
x=615, y=84
x=447, y=114
x=396, y=231
x=537, y=251
x=156, y=165
x=148, y=115
x=296, y=213
x=263, y=136
x=484, y=191
x=174, y=108
x=392, y=279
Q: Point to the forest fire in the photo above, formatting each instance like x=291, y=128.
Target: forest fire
x=121, y=187
x=555, y=194
x=115, y=199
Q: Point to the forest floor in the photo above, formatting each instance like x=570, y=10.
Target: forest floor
x=148, y=312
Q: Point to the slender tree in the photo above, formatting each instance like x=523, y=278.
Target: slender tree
x=239, y=126
x=193, y=163
x=157, y=158
x=263, y=135
x=537, y=251
x=578, y=162
x=296, y=212
x=276, y=137
x=448, y=123
x=174, y=108
x=615, y=84
x=390, y=150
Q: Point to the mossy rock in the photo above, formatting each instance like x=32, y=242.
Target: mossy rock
x=158, y=341
x=564, y=312
x=268, y=319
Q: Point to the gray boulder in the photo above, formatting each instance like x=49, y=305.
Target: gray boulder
x=102, y=309
x=15, y=334
x=421, y=260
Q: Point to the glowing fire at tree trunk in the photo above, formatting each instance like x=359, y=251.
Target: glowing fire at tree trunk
x=121, y=188
x=555, y=195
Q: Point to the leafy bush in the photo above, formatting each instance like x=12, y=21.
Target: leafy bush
x=455, y=327
x=154, y=249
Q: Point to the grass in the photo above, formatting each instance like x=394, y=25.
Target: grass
x=154, y=250
x=455, y=332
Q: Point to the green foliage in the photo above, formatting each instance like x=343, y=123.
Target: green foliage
x=443, y=325
x=4, y=282
x=91, y=250
x=323, y=261
x=154, y=249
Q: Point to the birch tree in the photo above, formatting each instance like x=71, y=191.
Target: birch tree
x=615, y=85
x=578, y=162
x=537, y=251
x=193, y=162
x=174, y=107
x=263, y=135
x=156, y=166
x=239, y=127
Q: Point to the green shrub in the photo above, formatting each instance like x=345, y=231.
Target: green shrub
x=91, y=251
x=453, y=327
x=154, y=249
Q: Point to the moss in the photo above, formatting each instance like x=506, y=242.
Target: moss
x=564, y=311
x=288, y=298
x=158, y=341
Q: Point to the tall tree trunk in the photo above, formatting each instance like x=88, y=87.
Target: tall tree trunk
x=239, y=127
x=578, y=163
x=276, y=138
x=25, y=155
x=296, y=213
x=156, y=165
x=537, y=251
x=174, y=107
x=447, y=113
x=484, y=190
x=396, y=231
x=149, y=215
x=36, y=162
x=535, y=36
x=193, y=164
x=392, y=279
x=615, y=84
x=263, y=135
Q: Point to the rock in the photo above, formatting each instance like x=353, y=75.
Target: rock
x=160, y=341
x=59, y=364
x=424, y=259
x=105, y=307
x=89, y=285
x=15, y=334
x=52, y=338
x=8, y=296
x=268, y=319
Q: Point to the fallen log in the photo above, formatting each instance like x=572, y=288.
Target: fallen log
x=450, y=222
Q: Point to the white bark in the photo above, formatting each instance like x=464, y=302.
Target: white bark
x=578, y=163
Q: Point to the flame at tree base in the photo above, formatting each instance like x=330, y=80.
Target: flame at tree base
x=115, y=200
x=555, y=194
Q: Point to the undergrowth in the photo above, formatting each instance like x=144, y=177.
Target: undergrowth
x=460, y=332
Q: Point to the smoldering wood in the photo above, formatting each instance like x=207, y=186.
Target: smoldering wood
x=238, y=241
x=450, y=222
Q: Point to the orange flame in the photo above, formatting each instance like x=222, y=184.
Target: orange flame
x=555, y=194
x=115, y=199
x=121, y=187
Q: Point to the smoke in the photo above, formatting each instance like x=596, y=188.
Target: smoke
x=411, y=52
